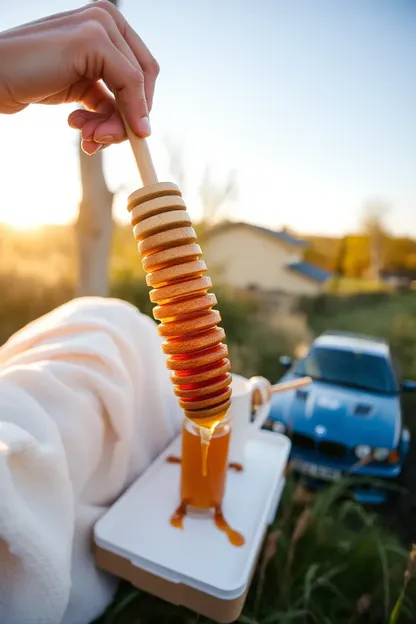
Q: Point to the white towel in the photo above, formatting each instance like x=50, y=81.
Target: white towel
x=86, y=404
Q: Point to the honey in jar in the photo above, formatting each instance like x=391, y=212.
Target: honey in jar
x=202, y=492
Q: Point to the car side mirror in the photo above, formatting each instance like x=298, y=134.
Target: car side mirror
x=408, y=385
x=285, y=361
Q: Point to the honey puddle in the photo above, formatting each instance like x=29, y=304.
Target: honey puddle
x=177, y=517
x=236, y=538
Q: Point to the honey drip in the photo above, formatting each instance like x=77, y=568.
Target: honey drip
x=177, y=517
x=175, y=271
x=236, y=538
x=173, y=460
x=206, y=435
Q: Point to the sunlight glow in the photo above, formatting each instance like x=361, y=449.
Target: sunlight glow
x=307, y=156
x=25, y=220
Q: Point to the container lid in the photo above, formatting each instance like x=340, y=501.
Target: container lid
x=137, y=526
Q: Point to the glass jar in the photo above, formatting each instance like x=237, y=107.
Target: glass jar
x=203, y=494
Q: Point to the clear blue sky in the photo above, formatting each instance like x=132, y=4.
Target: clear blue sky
x=312, y=102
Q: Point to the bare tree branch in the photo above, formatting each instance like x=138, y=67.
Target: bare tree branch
x=176, y=161
x=215, y=195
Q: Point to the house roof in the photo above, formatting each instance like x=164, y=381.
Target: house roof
x=280, y=235
x=311, y=271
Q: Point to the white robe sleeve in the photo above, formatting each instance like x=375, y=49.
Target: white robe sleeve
x=85, y=405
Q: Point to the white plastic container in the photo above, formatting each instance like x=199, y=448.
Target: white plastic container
x=195, y=567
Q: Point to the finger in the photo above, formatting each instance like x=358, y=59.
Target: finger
x=101, y=121
x=148, y=63
x=94, y=96
x=101, y=59
x=95, y=127
x=86, y=125
x=90, y=147
x=129, y=44
x=108, y=130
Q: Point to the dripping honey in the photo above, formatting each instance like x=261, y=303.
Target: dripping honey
x=206, y=432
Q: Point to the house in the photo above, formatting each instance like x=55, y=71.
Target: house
x=250, y=257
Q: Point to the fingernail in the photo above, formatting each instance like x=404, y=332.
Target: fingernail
x=144, y=125
x=108, y=138
x=98, y=149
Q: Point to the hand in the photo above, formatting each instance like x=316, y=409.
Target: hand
x=81, y=56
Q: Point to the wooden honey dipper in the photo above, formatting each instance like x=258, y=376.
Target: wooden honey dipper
x=176, y=272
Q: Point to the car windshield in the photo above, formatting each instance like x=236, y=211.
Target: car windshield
x=348, y=368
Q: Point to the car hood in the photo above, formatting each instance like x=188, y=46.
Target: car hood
x=344, y=415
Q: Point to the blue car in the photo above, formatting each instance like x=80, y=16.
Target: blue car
x=349, y=420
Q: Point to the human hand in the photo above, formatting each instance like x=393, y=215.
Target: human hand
x=81, y=56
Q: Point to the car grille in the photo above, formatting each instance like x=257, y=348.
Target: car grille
x=332, y=449
x=303, y=441
x=329, y=449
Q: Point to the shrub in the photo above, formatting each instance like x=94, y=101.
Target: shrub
x=26, y=297
x=255, y=341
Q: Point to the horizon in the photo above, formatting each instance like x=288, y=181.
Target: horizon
x=331, y=132
x=36, y=229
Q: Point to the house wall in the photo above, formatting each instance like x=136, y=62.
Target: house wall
x=243, y=258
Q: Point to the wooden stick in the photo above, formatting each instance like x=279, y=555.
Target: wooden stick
x=140, y=151
x=290, y=385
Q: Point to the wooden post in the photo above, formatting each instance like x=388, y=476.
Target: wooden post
x=94, y=227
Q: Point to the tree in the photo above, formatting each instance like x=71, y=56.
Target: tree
x=175, y=158
x=374, y=227
x=356, y=256
x=340, y=258
x=94, y=226
x=212, y=194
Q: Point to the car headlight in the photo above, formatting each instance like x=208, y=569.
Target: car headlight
x=381, y=454
x=363, y=451
x=278, y=427
x=405, y=435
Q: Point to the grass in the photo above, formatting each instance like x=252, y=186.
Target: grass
x=325, y=561
x=351, y=286
x=368, y=313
